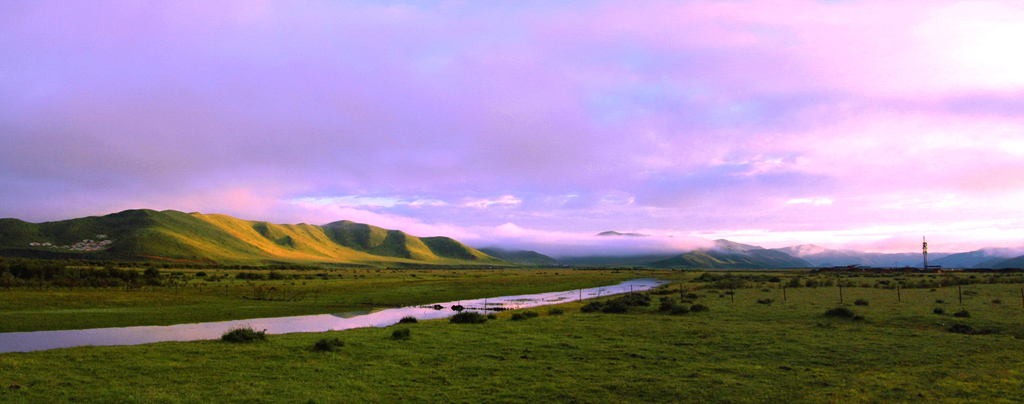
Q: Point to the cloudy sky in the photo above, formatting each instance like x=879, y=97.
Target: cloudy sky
x=861, y=124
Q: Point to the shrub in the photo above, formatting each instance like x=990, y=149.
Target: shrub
x=997, y=301
x=691, y=296
x=408, y=320
x=679, y=309
x=327, y=344
x=842, y=312
x=939, y=310
x=962, y=313
x=243, y=335
x=492, y=316
x=666, y=304
x=962, y=329
x=939, y=301
x=401, y=333
x=468, y=317
x=591, y=307
x=615, y=306
x=765, y=301
x=523, y=315
x=697, y=308
x=860, y=302
x=555, y=311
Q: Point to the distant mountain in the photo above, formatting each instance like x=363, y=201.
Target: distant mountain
x=1016, y=262
x=730, y=255
x=983, y=258
x=613, y=260
x=524, y=257
x=615, y=233
x=825, y=257
x=173, y=235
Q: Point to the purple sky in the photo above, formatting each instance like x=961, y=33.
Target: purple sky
x=860, y=124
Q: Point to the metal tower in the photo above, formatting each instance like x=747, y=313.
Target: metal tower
x=924, y=250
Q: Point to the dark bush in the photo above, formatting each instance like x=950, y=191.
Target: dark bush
x=634, y=299
x=939, y=310
x=939, y=301
x=842, y=312
x=679, y=309
x=615, y=306
x=968, y=330
x=697, y=308
x=860, y=302
x=962, y=313
x=401, y=333
x=523, y=315
x=962, y=329
x=692, y=296
x=666, y=304
x=555, y=311
x=242, y=335
x=468, y=317
x=328, y=344
x=765, y=301
x=592, y=307
x=997, y=301
x=492, y=316
x=408, y=320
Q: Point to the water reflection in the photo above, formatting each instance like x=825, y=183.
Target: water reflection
x=42, y=340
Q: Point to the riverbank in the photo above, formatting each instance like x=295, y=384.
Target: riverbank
x=743, y=349
x=222, y=295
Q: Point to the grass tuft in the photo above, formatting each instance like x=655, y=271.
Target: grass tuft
x=328, y=344
x=244, y=335
x=468, y=317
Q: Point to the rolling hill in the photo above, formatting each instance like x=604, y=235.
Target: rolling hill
x=172, y=235
x=524, y=257
x=730, y=255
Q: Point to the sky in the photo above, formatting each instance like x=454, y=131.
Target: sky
x=846, y=124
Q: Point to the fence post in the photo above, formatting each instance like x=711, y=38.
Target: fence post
x=960, y=294
x=784, y=293
x=899, y=298
x=840, y=294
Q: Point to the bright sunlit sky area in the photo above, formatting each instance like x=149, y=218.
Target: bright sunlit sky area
x=846, y=124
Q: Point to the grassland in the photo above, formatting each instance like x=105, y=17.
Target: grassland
x=782, y=349
x=220, y=295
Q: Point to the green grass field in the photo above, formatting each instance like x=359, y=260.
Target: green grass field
x=187, y=298
x=738, y=351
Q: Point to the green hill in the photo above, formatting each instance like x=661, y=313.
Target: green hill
x=172, y=235
x=524, y=257
x=730, y=255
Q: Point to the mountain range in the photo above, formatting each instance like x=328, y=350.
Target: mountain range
x=195, y=237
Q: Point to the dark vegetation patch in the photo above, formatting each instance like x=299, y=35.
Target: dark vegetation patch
x=968, y=330
x=555, y=312
x=939, y=310
x=401, y=334
x=523, y=315
x=408, y=320
x=328, y=344
x=244, y=335
x=468, y=317
x=842, y=313
x=860, y=302
x=962, y=313
x=765, y=301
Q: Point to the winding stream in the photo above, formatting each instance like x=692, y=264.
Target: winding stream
x=43, y=340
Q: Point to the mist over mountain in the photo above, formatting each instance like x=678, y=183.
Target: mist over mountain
x=983, y=258
x=824, y=257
